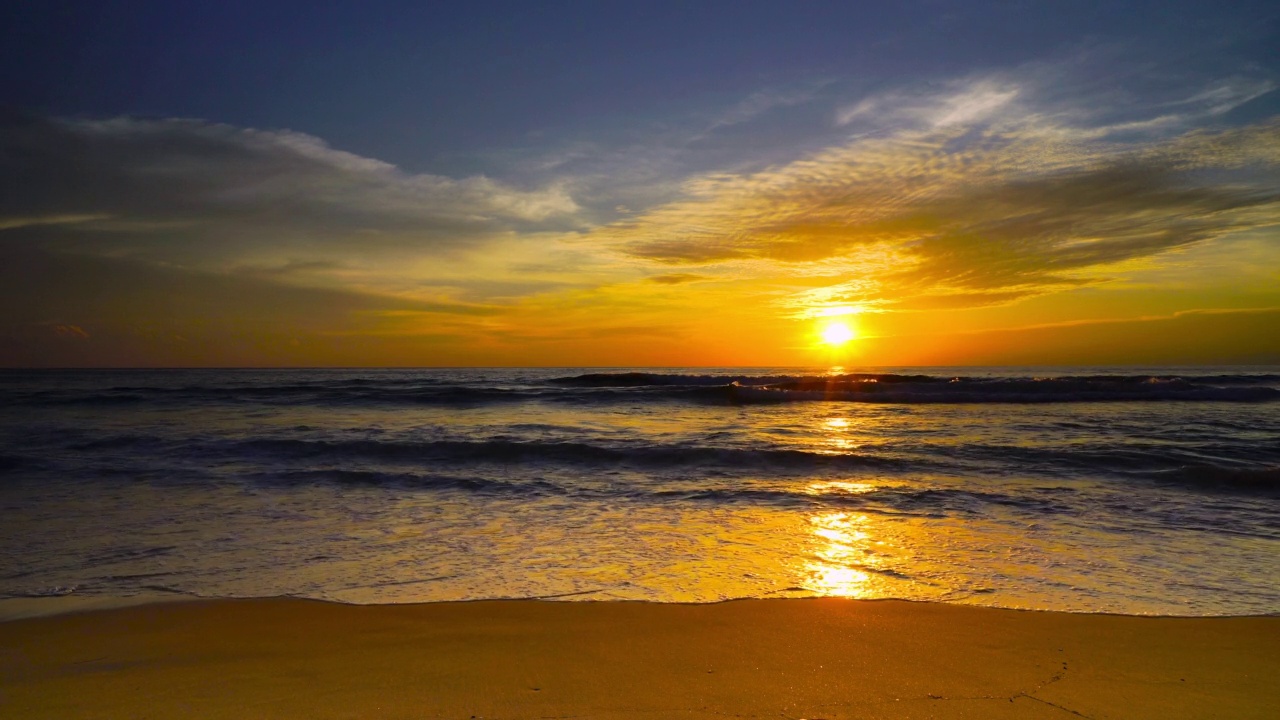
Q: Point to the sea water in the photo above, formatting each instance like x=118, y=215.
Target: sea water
x=1131, y=490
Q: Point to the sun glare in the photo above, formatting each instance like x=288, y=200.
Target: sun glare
x=836, y=333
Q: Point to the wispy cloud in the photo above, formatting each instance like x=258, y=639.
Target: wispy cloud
x=1067, y=96
x=18, y=221
x=1226, y=95
x=963, y=102
x=763, y=101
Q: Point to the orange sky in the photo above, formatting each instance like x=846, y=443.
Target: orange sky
x=971, y=228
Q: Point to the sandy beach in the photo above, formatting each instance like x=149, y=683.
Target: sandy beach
x=816, y=658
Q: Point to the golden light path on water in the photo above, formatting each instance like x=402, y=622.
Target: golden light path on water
x=868, y=555
x=832, y=573
x=843, y=543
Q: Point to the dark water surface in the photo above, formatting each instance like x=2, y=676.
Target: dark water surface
x=1136, y=490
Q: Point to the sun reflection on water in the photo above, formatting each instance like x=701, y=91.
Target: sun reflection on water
x=843, y=544
x=847, y=487
x=835, y=441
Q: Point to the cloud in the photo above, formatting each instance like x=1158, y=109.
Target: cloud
x=676, y=278
x=11, y=223
x=71, y=331
x=1198, y=336
x=1226, y=95
x=68, y=310
x=975, y=202
x=963, y=102
x=189, y=190
x=291, y=268
x=974, y=104
x=764, y=101
x=1093, y=91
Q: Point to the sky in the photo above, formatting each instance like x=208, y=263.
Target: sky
x=639, y=184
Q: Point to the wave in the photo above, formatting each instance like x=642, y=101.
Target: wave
x=422, y=481
x=642, y=379
x=445, y=395
x=915, y=500
x=1190, y=469
x=506, y=451
x=478, y=389
x=1179, y=456
x=896, y=388
x=925, y=499
x=1207, y=476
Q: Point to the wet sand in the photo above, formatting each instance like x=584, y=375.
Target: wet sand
x=823, y=658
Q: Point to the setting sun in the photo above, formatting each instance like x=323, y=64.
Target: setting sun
x=837, y=333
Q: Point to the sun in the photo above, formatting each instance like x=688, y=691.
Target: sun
x=837, y=333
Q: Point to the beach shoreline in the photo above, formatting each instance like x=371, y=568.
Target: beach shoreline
x=800, y=658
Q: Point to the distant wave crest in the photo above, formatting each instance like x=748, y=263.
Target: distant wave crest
x=897, y=388
x=605, y=388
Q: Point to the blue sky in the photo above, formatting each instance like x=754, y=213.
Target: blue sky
x=434, y=86
x=504, y=165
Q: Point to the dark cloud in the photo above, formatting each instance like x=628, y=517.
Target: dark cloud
x=292, y=268
x=1037, y=232
x=190, y=190
x=1208, y=337
x=58, y=309
x=676, y=278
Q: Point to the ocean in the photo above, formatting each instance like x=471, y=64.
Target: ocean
x=1119, y=490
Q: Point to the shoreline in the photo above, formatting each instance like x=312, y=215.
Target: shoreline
x=26, y=608
x=802, y=658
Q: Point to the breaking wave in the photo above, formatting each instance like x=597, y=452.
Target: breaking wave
x=719, y=388
x=896, y=388
x=503, y=451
